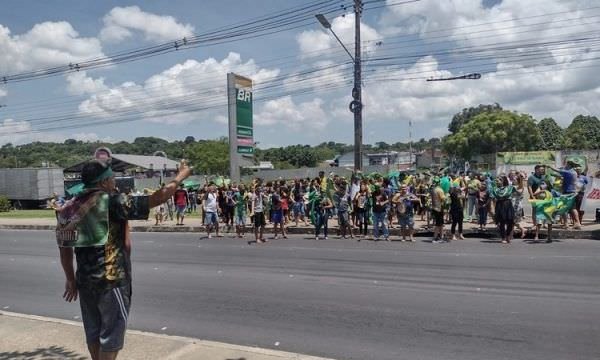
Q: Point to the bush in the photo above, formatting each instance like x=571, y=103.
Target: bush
x=4, y=204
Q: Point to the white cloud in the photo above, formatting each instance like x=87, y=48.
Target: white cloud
x=120, y=23
x=186, y=86
x=283, y=112
x=19, y=132
x=3, y=92
x=79, y=83
x=46, y=44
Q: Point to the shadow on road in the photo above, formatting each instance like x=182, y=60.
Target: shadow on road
x=52, y=352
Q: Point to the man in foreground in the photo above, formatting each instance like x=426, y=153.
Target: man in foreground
x=103, y=278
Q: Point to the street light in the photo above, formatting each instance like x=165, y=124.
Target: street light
x=327, y=25
x=473, y=76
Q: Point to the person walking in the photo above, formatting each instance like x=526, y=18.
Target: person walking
x=103, y=281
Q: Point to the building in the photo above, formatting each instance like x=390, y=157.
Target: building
x=140, y=166
x=430, y=159
x=402, y=159
x=347, y=160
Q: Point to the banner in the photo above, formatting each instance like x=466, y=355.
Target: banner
x=526, y=158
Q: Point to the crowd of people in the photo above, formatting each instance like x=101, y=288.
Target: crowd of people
x=387, y=201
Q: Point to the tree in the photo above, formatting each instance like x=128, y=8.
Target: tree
x=583, y=133
x=189, y=140
x=492, y=132
x=553, y=136
x=467, y=114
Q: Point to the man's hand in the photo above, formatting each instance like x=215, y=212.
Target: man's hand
x=70, y=291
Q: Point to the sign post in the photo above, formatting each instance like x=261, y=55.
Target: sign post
x=241, y=129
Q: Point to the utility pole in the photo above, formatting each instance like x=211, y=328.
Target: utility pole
x=356, y=104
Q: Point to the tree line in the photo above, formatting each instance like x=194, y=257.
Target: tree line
x=477, y=130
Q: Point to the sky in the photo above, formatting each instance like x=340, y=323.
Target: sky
x=536, y=56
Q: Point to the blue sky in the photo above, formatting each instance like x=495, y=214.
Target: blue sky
x=424, y=39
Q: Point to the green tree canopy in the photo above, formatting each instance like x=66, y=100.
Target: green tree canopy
x=583, y=133
x=462, y=118
x=553, y=136
x=491, y=132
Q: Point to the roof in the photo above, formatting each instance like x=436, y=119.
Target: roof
x=122, y=162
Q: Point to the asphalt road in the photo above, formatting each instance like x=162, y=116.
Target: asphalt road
x=473, y=299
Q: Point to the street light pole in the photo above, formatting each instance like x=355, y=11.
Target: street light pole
x=356, y=104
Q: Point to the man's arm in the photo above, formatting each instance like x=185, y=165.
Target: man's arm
x=66, y=260
x=161, y=196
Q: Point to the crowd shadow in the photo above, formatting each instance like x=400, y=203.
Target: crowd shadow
x=43, y=353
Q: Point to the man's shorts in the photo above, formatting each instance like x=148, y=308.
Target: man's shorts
x=210, y=218
x=181, y=209
x=259, y=219
x=240, y=218
x=406, y=222
x=438, y=217
x=104, y=314
x=298, y=209
x=277, y=216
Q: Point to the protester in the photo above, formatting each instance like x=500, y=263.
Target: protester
x=404, y=204
x=181, y=203
x=277, y=214
x=211, y=208
x=438, y=197
x=380, y=204
x=569, y=187
x=472, y=190
x=361, y=203
x=343, y=208
x=504, y=211
x=321, y=207
x=257, y=214
x=240, y=199
x=540, y=196
x=483, y=204
x=517, y=202
x=103, y=278
x=456, y=212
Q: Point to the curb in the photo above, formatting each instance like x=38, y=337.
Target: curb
x=184, y=340
x=473, y=233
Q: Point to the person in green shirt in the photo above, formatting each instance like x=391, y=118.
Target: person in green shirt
x=240, y=199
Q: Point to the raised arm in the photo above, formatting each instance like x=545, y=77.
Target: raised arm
x=162, y=195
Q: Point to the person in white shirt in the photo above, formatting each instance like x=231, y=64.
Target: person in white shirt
x=257, y=214
x=211, y=210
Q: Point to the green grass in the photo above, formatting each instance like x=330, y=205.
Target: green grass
x=28, y=214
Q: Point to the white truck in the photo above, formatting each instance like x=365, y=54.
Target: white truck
x=31, y=187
